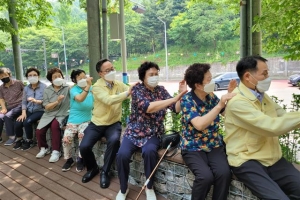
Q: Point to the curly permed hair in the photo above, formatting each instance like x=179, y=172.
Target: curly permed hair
x=144, y=67
x=195, y=74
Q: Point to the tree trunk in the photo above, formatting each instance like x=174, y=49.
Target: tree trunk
x=94, y=36
x=15, y=41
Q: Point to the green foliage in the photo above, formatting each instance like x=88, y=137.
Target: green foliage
x=172, y=121
x=28, y=13
x=282, y=34
x=204, y=25
x=126, y=109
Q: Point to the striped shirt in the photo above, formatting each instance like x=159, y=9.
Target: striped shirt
x=12, y=95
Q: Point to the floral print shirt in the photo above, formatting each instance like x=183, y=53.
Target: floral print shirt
x=191, y=138
x=142, y=126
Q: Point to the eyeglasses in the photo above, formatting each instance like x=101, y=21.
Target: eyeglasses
x=109, y=70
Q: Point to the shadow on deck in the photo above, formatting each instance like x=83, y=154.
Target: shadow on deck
x=22, y=176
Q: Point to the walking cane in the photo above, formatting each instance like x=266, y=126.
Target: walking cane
x=147, y=181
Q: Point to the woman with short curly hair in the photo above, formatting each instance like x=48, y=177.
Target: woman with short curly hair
x=149, y=105
x=202, y=146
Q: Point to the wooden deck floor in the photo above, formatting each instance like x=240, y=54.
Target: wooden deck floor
x=22, y=176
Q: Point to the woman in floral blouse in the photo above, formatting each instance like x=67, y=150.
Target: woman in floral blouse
x=202, y=146
x=148, y=108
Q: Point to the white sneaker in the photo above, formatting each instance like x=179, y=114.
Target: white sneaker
x=55, y=155
x=121, y=196
x=42, y=152
x=150, y=194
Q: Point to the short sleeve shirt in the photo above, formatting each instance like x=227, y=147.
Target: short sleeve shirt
x=191, y=138
x=80, y=111
x=142, y=125
x=13, y=94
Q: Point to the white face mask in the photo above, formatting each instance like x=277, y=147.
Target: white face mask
x=153, y=81
x=58, y=81
x=111, y=76
x=264, y=85
x=82, y=83
x=210, y=87
x=33, y=79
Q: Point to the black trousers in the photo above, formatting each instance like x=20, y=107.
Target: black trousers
x=209, y=168
x=92, y=134
x=149, y=154
x=280, y=181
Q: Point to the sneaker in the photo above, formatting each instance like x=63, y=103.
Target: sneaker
x=150, y=194
x=9, y=142
x=18, y=144
x=27, y=145
x=1, y=140
x=79, y=164
x=42, y=152
x=67, y=166
x=55, y=155
x=121, y=196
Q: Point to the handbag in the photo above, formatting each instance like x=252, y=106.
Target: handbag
x=167, y=138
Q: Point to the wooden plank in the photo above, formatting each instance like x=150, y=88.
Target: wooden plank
x=43, y=176
x=6, y=194
x=115, y=185
x=65, y=178
x=16, y=188
x=18, y=177
x=72, y=179
x=93, y=185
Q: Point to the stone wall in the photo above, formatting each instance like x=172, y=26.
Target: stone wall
x=172, y=180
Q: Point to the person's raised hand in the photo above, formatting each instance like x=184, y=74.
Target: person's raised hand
x=182, y=86
x=89, y=80
x=60, y=98
x=232, y=85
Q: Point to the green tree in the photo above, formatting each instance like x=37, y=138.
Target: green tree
x=28, y=13
x=203, y=24
x=280, y=26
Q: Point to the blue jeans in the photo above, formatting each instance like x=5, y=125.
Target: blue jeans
x=94, y=133
x=27, y=123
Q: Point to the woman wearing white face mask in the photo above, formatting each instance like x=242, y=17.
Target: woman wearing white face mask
x=56, y=101
x=81, y=105
x=148, y=108
x=32, y=109
x=202, y=146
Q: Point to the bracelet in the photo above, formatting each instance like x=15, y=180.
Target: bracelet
x=86, y=91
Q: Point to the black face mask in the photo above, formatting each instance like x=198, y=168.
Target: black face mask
x=5, y=80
